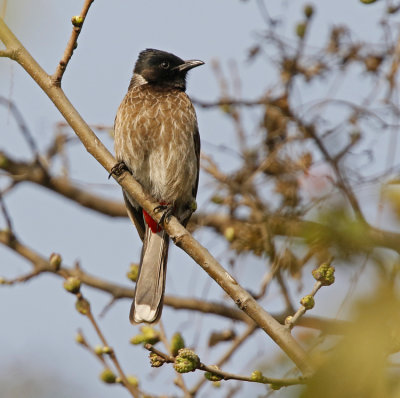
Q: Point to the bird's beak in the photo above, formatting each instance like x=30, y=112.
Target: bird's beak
x=192, y=63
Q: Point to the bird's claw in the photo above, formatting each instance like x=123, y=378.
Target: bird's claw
x=167, y=213
x=118, y=169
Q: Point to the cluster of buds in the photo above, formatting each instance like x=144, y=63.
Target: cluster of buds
x=186, y=361
x=156, y=360
x=325, y=274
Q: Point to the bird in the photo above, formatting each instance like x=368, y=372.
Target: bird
x=157, y=140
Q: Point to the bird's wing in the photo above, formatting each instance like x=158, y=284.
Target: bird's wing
x=136, y=216
x=196, y=138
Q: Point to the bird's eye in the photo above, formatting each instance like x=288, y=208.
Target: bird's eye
x=164, y=65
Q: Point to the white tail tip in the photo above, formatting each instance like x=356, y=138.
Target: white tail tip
x=143, y=313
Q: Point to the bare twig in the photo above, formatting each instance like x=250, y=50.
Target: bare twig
x=130, y=387
x=6, y=216
x=77, y=21
x=21, y=125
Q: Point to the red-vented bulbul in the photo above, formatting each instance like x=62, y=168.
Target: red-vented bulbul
x=157, y=139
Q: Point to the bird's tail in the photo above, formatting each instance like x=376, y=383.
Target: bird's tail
x=148, y=302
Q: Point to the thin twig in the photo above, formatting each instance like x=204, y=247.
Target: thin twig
x=229, y=376
x=227, y=355
x=7, y=216
x=302, y=310
x=76, y=30
x=21, y=125
x=129, y=386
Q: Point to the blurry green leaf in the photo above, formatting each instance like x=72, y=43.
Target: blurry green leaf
x=358, y=366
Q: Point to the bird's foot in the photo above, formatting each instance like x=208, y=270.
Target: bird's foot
x=167, y=213
x=118, y=169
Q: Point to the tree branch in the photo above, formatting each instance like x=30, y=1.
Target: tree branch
x=33, y=172
x=278, y=225
x=42, y=265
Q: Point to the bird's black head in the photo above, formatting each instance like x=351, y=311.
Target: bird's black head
x=161, y=68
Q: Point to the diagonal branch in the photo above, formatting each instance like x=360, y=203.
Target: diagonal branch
x=180, y=236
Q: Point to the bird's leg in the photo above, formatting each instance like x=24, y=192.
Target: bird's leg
x=167, y=210
x=118, y=169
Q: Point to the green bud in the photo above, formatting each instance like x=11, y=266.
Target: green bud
x=98, y=349
x=325, y=274
x=79, y=338
x=133, y=272
x=301, y=28
x=226, y=108
x=77, y=21
x=82, y=306
x=108, y=376
x=107, y=350
x=257, y=376
x=307, y=302
x=133, y=380
x=288, y=320
x=212, y=376
x=218, y=200
x=177, y=343
x=275, y=387
x=72, y=285
x=151, y=335
x=229, y=234
x=308, y=11
x=138, y=339
x=3, y=161
x=155, y=360
x=186, y=361
x=3, y=281
x=148, y=335
x=55, y=261
x=367, y=1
